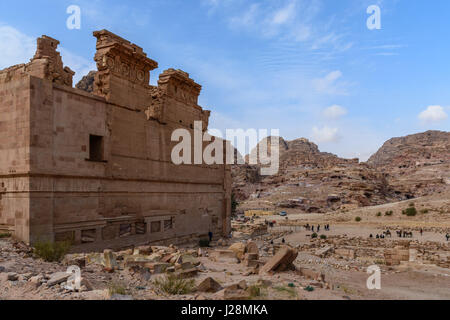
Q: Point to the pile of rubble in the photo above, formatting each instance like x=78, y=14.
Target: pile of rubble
x=390, y=253
x=137, y=269
x=248, y=230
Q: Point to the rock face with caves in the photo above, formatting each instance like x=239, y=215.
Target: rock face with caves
x=313, y=181
x=417, y=164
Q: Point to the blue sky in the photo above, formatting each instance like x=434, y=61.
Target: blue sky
x=310, y=68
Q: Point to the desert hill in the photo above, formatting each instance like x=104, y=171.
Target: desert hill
x=313, y=181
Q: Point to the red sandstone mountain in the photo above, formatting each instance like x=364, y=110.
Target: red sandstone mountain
x=311, y=181
x=87, y=82
x=314, y=181
x=417, y=164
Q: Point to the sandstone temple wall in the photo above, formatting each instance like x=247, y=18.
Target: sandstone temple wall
x=95, y=168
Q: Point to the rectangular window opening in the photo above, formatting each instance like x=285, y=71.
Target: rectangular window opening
x=95, y=148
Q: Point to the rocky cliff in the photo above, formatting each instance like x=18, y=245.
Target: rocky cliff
x=417, y=164
x=313, y=181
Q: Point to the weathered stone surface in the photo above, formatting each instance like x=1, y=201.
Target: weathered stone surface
x=281, y=261
x=238, y=249
x=346, y=253
x=110, y=262
x=74, y=260
x=311, y=274
x=189, y=273
x=394, y=256
x=414, y=163
x=9, y=276
x=323, y=252
x=209, y=285
x=403, y=168
x=36, y=280
x=252, y=248
x=58, y=278
x=233, y=293
x=87, y=82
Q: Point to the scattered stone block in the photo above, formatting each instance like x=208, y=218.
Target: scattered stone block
x=311, y=274
x=57, y=278
x=225, y=256
x=239, y=249
x=120, y=297
x=110, y=262
x=10, y=276
x=281, y=261
x=209, y=285
x=323, y=252
x=185, y=274
x=232, y=294
x=252, y=248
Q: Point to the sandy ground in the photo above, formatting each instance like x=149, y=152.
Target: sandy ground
x=345, y=278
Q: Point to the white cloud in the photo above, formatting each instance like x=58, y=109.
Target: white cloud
x=79, y=64
x=325, y=134
x=247, y=19
x=329, y=84
x=433, y=114
x=15, y=47
x=285, y=14
x=334, y=112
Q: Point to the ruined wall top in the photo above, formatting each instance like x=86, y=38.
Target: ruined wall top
x=122, y=58
x=46, y=64
x=176, y=83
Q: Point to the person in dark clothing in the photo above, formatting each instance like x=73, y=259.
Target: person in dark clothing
x=210, y=234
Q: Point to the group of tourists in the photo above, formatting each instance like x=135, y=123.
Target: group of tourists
x=317, y=228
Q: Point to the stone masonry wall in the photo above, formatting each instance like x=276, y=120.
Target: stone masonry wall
x=52, y=190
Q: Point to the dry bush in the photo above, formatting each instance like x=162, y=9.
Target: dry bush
x=51, y=251
x=174, y=285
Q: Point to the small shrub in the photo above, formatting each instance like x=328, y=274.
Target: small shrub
x=411, y=212
x=290, y=291
x=5, y=235
x=424, y=211
x=174, y=285
x=51, y=251
x=203, y=243
x=314, y=235
x=389, y=213
x=323, y=237
x=254, y=291
x=379, y=214
x=358, y=219
x=411, y=205
x=115, y=288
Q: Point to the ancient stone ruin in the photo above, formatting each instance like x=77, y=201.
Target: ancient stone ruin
x=95, y=168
